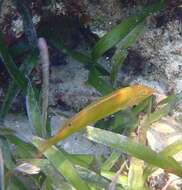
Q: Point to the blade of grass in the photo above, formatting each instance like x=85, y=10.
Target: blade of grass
x=86, y=158
x=163, y=108
x=49, y=184
x=122, y=179
x=80, y=57
x=83, y=58
x=121, y=30
x=141, y=107
x=139, y=151
x=57, y=181
x=28, y=24
x=63, y=165
x=94, y=178
x=13, y=70
x=169, y=151
x=2, y=184
x=34, y=113
x=158, y=114
x=172, y=99
x=46, y=167
x=136, y=179
x=16, y=183
x=9, y=163
x=78, y=159
x=13, y=89
x=23, y=149
x=109, y=163
x=89, y=176
x=135, y=175
x=95, y=79
x=132, y=37
x=124, y=122
x=117, y=62
x=172, y=149
x=121, y=51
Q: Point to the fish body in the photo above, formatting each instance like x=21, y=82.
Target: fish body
x=107, y=105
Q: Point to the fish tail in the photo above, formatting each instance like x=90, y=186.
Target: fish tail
x=48, y=143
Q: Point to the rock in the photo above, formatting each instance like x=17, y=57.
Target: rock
x=68, y=86
x=162, y=48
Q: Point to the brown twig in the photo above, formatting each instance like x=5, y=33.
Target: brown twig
x=44, y=59
x=113, y=183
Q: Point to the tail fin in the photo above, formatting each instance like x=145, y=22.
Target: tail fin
x=46, y=145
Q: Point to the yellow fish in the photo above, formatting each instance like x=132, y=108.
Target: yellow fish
x=107, y=105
